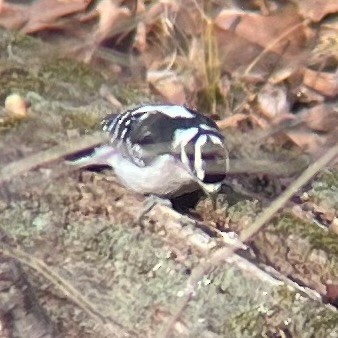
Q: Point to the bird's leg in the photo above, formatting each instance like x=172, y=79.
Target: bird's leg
x=213, y=198
x=149, y=203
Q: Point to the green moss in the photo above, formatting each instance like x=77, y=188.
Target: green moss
x=23, y=41
x=17, y=80
x=286, y=225
x=8, y=124
x=71, y=71
x=286, y=296
x=325, y=321
x=329, y=177
x=243, y=212
x=80, y=120
x=248, y=324
x=319, y=239
x=131, y=96
x=324, y=190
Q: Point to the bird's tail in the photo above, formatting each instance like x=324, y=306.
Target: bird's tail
x=92, y=158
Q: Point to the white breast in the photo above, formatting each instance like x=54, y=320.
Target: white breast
x=166, y=176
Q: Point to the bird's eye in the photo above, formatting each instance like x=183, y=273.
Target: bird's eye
x=145, y=139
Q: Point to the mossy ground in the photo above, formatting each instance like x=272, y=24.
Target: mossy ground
x=80, y=224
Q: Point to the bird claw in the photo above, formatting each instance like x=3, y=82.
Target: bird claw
x=149, y=204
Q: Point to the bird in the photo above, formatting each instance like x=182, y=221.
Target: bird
x=166, y=151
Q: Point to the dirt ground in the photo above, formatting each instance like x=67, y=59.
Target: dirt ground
x=72, y=245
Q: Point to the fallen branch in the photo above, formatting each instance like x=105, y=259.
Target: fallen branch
x=219, y=256
x=58, y=152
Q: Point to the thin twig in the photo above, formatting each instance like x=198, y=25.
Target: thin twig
x=273, y=44
x=66, y=288
x=219, y=256
x=43, y=157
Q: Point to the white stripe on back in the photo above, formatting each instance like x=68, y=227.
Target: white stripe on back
x=171, y=111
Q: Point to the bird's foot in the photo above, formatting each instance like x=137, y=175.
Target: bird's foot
x=149, y=204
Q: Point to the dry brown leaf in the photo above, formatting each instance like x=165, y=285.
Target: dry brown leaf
x=322, y=118
x=308, y=96
x=315, y=10
x=283, y=73
x=13, y=16
x=231, y=121
x=168, y=85
x=189, y=20
x=264, y=30
x=334, y=226
x=140, y=40
x=273, y=101
x=259, y=121
x=43, y=13
x=161, y=8
x=40, y=14
x=307, y=141
x=317, y=129
x=322, y=82
x=111, y=14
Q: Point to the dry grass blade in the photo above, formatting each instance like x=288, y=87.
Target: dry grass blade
x=21, y=166
x=220, y=255
x=271, y=45
x=66, y=288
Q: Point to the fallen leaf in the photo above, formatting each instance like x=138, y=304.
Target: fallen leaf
x=307, y=95
x=13, y=17
x=316, y=130
x=231, y=121
x=168, y=85
x=267, y=29
x=259, y=121
x=322, y=118
x=140, y=39
x=43, y=13
x=272, y=101
x=111, y=14
x=323, y=82
x=310, y=143
x=334, y=226
x=316, y=10
x=160, y=9
x=283, y=73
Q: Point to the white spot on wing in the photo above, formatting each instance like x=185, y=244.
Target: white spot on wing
x=124, y=132
x=198, y=157
x=215, y=139
x=206, y=127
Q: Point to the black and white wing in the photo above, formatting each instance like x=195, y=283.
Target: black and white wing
x=146, y=132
